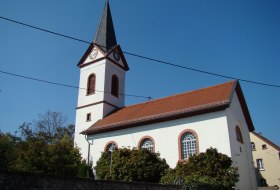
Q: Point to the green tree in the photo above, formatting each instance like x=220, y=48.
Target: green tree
x=131, y=165
x=206, y=170
x=45, y=146
x=7, y=150
x=49, y=127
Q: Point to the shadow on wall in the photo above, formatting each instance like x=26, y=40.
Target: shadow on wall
x=261, y=181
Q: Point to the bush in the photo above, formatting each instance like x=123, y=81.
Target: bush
x=210, y=170
x=131, y=165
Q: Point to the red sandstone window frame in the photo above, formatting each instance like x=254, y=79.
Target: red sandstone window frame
x=140, y=143
x=180, y=142
x=106, y=148
x=115, y=86
x=91, y=83
x=239, y=136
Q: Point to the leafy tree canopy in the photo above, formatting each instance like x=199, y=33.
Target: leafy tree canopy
x=206, y=170
x=44, y=146
x=131, y=165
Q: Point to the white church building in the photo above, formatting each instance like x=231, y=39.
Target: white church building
x=177, y=126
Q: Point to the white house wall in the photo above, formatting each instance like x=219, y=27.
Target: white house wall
x=82, y=124
x=99, y=104
x=112, y=69
x=241, y=153
x=210, y=128
x=99, y=70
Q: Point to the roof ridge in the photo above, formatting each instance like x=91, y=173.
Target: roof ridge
x=179, y=94
x=267, y=141
x=149, y=118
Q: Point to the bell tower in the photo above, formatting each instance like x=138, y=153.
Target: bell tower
x=102, y=79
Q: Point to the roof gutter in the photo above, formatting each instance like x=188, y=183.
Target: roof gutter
x=218, y=106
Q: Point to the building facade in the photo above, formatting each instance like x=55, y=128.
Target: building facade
x=177, y=126
x=266, y=157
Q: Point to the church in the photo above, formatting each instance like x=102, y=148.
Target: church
x=177, y=126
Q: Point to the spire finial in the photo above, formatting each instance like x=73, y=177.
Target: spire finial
x=105, y=35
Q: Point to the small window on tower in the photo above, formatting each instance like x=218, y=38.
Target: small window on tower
x=91, y=84
x=115, y=86
x=89, y=117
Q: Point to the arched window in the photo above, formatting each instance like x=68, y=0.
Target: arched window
x=111, y=146
x=115, y=86
x=188, y=145
x=91, y=84
x=253, y=146
x=147, y=143
x=238, y=134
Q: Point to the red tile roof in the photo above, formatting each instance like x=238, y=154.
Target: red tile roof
x=201, y=101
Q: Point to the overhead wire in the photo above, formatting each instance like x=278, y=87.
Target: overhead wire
x=201, y=71
x=66, y=85
x=148, y=58
x=44, y=30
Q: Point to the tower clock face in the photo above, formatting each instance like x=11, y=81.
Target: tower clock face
x=93, y=54
x=116, y=56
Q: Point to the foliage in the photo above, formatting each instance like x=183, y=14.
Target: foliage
x=7, y=150
x=131, y=165
x=50, y=128
x=206, y=170
x=45, y=146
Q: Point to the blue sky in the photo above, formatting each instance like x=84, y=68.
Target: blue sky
x=236, y=38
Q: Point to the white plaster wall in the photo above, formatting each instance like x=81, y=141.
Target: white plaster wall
x=112, y=69
x=103, y=71
x=96, y=111
x=82, y=124
x=211, y=129
x=99, y=70
x=241, y=159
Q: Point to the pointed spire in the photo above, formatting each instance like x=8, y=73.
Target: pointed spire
x=105, y=35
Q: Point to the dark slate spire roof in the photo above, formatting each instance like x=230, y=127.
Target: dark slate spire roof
x=105, y=34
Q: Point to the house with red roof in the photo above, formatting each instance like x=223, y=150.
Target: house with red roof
x=177, y=126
